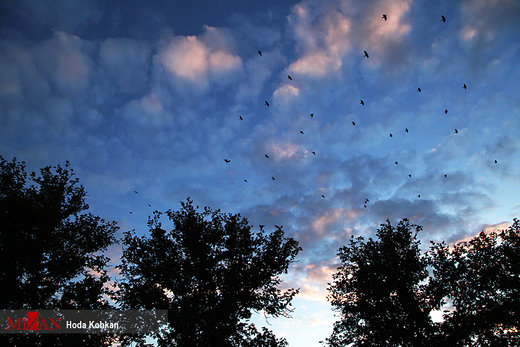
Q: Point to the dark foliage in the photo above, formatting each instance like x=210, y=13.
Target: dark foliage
x=49, y=247
x=378, y=290
x=481, y=279
x=211, y=271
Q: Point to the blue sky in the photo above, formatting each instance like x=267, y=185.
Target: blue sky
x=147, y=97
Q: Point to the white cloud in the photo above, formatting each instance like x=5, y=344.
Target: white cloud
x=286, y=92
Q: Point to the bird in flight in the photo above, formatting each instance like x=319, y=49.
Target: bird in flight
x=227, y=160
x=366, y=54
x=465, y=86
x=410, y=175
x=353, y=123
x=419, y=196
x=260, y=53
x=266, y=103
x=245, y=181
x=323, y=196
x=496, y=162
x=149, y=205
x=456, y=131
x=301, y=132
x=241, y=118
x=446, y=111
x=289, y=77
x=419, y=90
x=391, y=135
x=406, y=130
x=385, y=17
x=314, y=153
x=131, y=212
x=311, y=115
x=445, y=175
x=396, y=163
x=273, y=178
x=267, y=156
x=135, y=191
x=362, y=102
x=443, y=19
x=365, y=205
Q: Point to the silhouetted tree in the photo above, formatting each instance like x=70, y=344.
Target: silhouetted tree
x=481, y=278
x=211, y=271
x=378, y=290
x=50, y=249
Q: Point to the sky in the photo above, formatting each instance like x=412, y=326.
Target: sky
x=147, y=97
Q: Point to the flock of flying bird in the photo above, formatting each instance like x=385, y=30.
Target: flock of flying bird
x=367, y=56
x=362, y=102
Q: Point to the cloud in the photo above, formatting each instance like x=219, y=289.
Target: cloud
x=127, y=62
x=322, y=224
x=196, y=59
x=328, y=36
x=186, y=57
x=282, y=151
x=286, y=92
x=66, y=15
x=383, y=33
x=484, y=19
x=221, y=61
x=62, y=61
x=59, y=65
x=322, y=45
x=486, y=229
x=316, y=64
x=312, y=279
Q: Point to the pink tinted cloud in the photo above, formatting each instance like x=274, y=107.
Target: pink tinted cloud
x=186, y=57
x=316, y=64
x=322, y=223
x=322, y=44
x=325, y=39
x=64, y=63
x=315, y=282
x=487, y=229
x=223, y=61
x=380, y=31
x=284, y=150
x=196, y=59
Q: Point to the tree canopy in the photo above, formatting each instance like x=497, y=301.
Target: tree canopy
x=377, y=290
x=386, y=289
x=481, y=280
x=210, y=271
x=50, y=248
